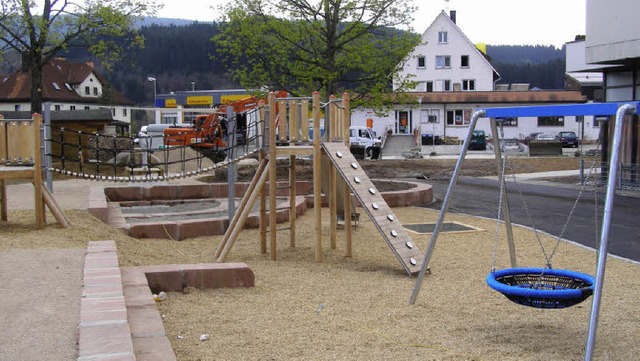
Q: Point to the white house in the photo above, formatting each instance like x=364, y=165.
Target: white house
x=446, y=60
x=66, y=86
x=454, y=79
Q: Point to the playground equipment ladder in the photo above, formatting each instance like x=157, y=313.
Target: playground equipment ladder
x=375, y=206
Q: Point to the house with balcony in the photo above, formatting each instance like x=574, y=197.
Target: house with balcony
x=66, y=86
x=454, y=78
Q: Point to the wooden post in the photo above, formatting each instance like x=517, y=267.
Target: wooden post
x=243, y=204
x=292, y=201
x=304, y=114
x=282, y=121
x=347, y=220
x=294, y=112
x=263, y=213
x=41, y=219
x=317, y=176
x=272, y=175
x=3, y=159
x=333, y=205
x=348, y=207
x=333, y=130
x=263, y=191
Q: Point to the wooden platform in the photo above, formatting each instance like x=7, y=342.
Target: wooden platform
x=375, y=206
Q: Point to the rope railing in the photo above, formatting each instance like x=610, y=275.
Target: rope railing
x=121, y=158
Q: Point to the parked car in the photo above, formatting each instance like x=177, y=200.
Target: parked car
x=568, y=139
x=478, y=140
x=531, y=137
x=545, y=136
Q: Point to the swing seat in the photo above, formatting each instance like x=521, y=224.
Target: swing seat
x=542, y=287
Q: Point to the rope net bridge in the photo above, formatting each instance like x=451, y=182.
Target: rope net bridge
x=154, y=156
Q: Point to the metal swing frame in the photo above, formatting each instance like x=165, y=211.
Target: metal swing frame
x=620, y=110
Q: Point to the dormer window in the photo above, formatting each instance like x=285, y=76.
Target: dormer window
x=56, y=86
x=422, y=62
x=68, y=86
x=443, y=37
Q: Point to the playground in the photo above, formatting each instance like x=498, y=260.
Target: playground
x=324, y=292
x=357, y=308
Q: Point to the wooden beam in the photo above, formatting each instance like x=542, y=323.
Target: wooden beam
x=317, y=176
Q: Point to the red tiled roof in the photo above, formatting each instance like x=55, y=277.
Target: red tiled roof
x=56, y=72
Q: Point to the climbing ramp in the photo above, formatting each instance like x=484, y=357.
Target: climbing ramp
x=375, y=206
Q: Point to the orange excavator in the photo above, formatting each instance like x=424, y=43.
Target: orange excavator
x=208, y=132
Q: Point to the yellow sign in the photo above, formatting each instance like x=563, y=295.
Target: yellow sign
x=230, y=98
x=482, y=47
x=170, y=103
x=200, y=100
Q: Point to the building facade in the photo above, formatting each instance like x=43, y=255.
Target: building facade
x=453, y=80
x=65, y=86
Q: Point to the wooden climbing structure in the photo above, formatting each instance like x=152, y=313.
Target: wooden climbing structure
x=287, y=133
x=21, y=159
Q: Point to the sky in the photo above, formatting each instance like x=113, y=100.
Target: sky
x=494, y=22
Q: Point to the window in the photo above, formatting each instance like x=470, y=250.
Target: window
x=17, y=107
x=464, y=61
x=468, y=85
x=508, y=122
x=87, y=90
x=72, y=107
x=422, y=62
x=56, y=107
x=429, y=86
x=95, y=91
x=458, y=117
x=86, y=107
x=55, y=86
x=550, y=121
x=124, y=112
x=447, y=85
x=68, y=86
x=434, y=117
x=442, y=37
x=443, y=61
x=113, y=111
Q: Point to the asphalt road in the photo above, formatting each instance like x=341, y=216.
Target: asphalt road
x=549, y=207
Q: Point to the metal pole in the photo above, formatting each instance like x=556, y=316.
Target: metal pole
x=48, y=176
x=445, y=205
x=232, y=169
x=505, y=202
x=606, y=226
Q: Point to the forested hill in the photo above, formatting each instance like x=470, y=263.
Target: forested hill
x=524, y=54
x=540, y=66
x=178, y=55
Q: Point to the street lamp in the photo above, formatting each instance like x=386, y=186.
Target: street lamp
x=193, y=86
x=152, y=79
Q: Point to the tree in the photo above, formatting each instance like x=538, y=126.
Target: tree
x=94, y=24
x=329, y=46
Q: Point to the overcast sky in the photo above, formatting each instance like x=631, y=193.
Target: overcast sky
x=495, y=22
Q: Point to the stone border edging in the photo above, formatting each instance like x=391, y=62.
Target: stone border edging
x=119, y=320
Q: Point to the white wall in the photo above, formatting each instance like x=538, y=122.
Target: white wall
x=613, y=30
x=526, y=125
x=456, y=46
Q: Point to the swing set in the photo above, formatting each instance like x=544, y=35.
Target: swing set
x=543, y=287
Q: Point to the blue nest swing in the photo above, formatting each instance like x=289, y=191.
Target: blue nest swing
x=542, y=287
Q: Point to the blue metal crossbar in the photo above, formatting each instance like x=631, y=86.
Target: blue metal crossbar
x=559, y=110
